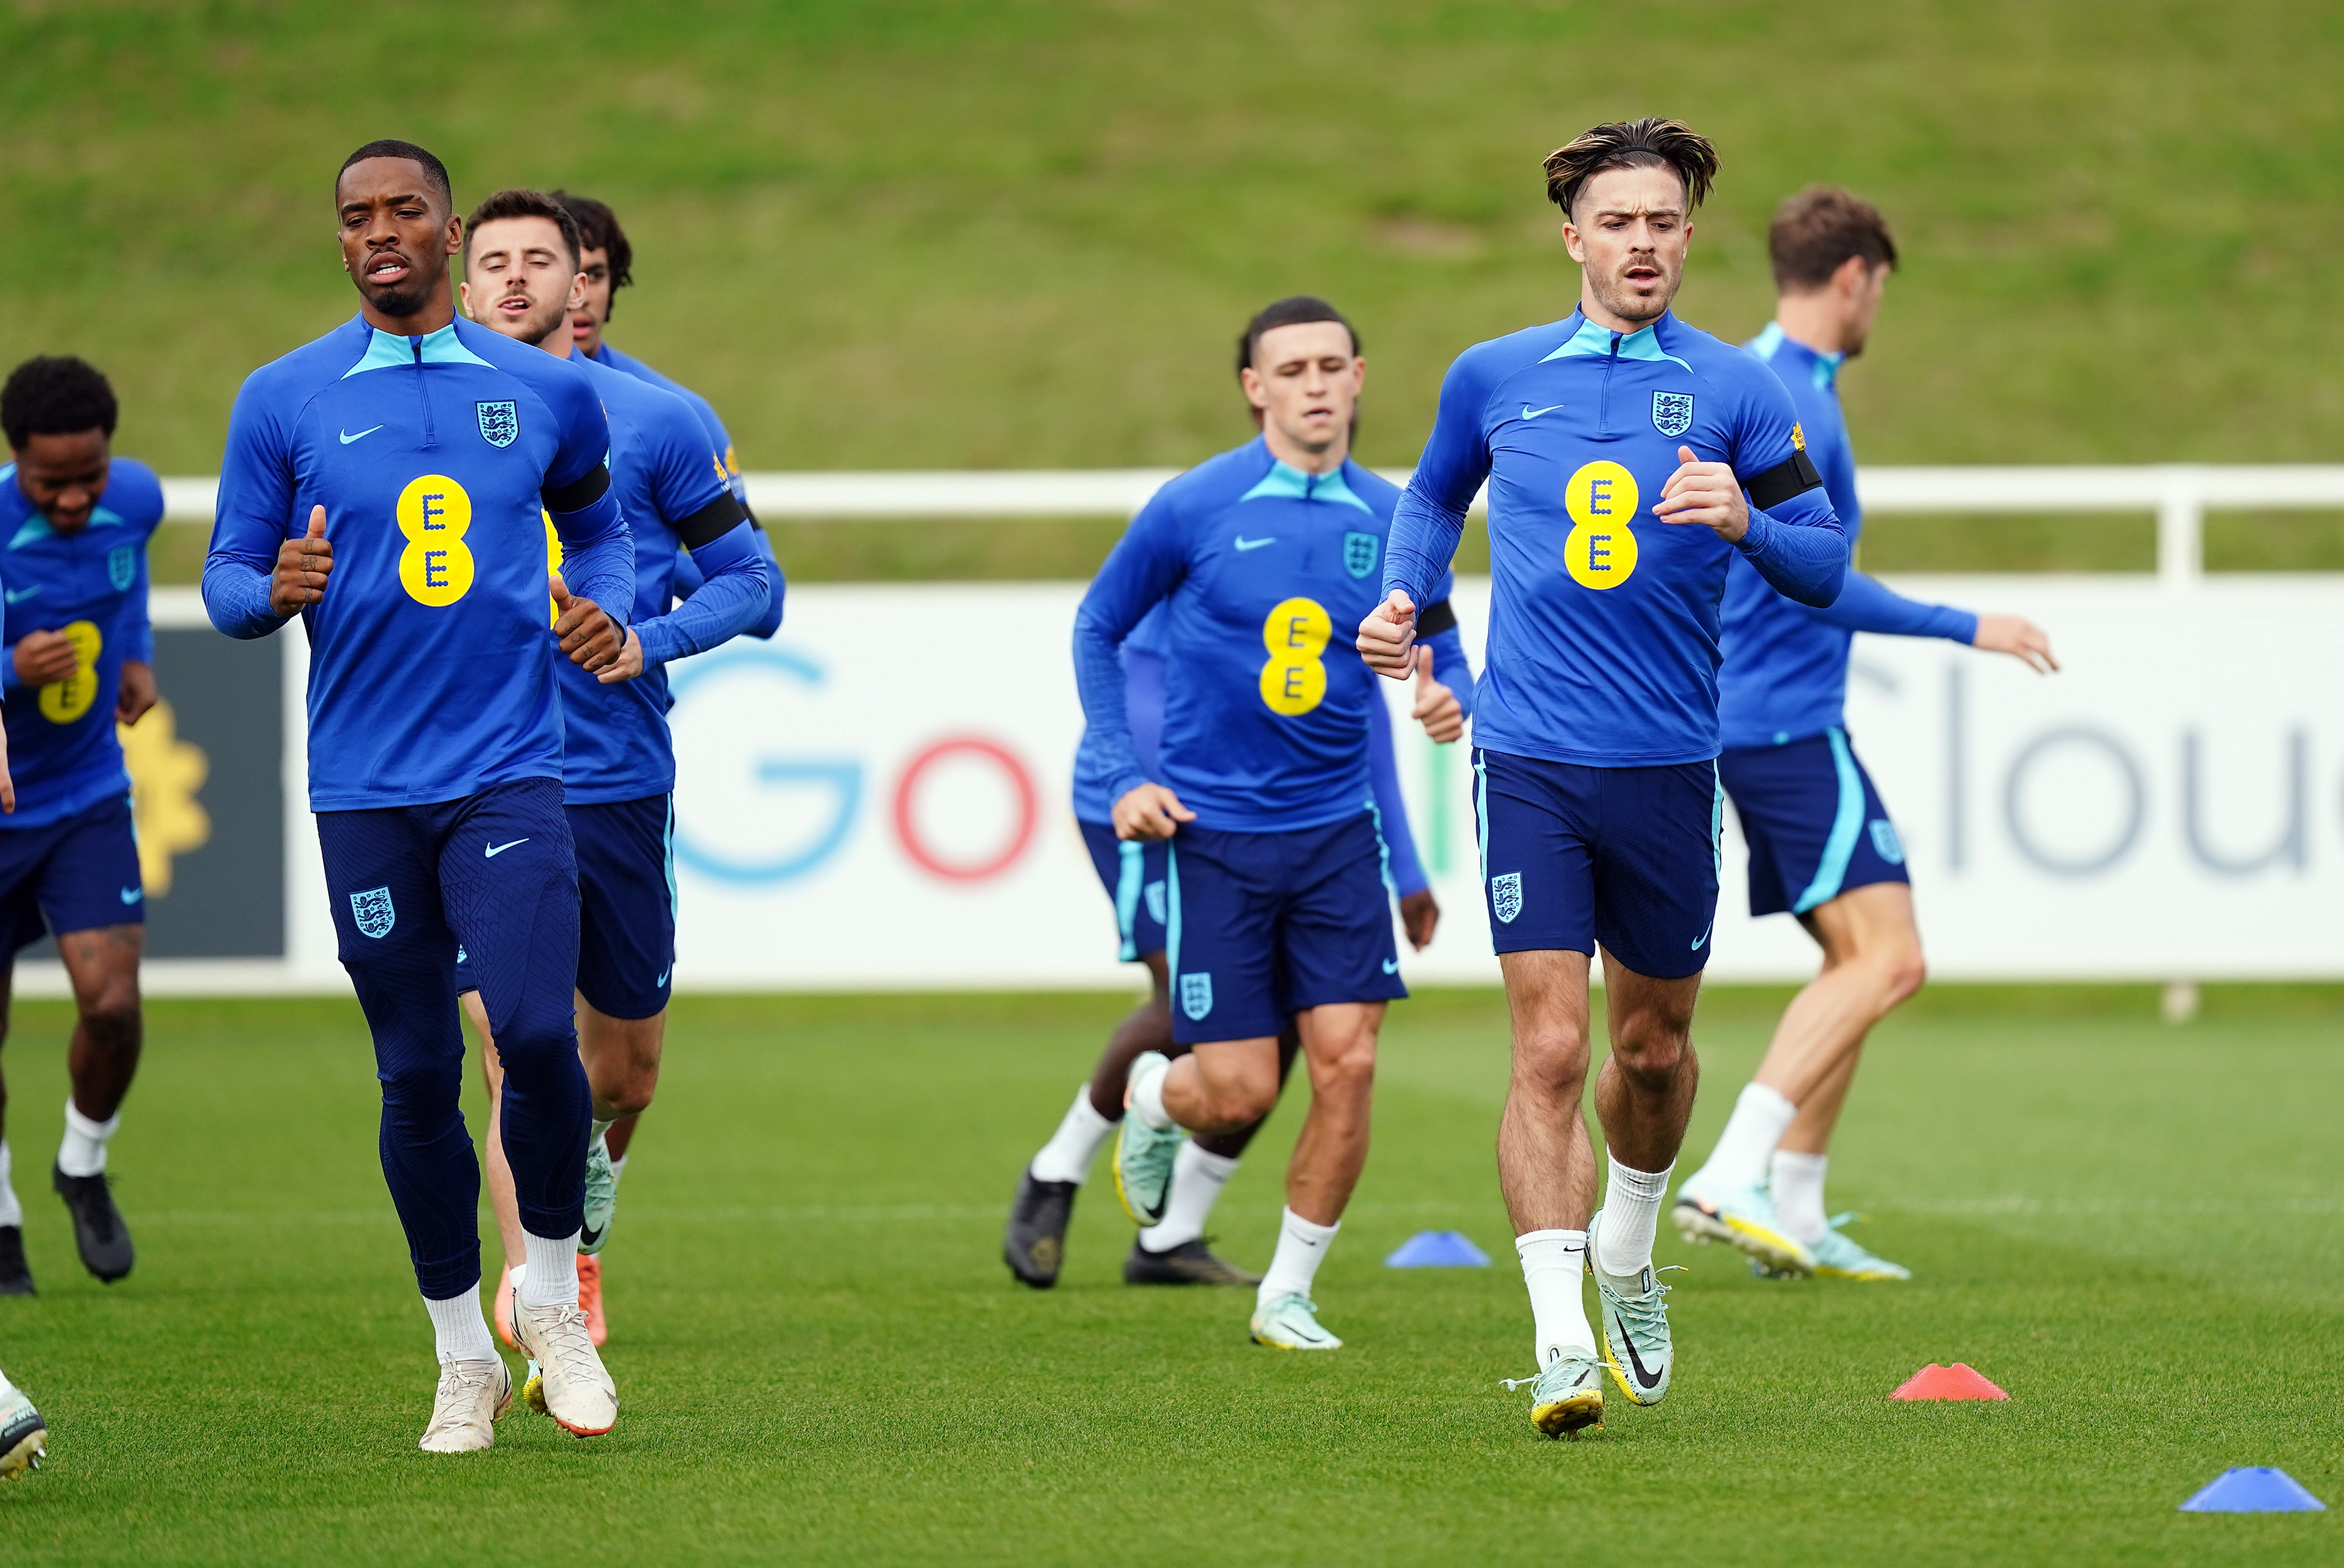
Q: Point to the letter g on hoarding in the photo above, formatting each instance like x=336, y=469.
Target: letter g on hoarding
x=839, y=779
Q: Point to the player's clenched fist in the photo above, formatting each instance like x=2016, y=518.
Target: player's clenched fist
x=591, y=638
x=1388, y=637
x=1149, y=811
x=302, y=567
x=1705, y=493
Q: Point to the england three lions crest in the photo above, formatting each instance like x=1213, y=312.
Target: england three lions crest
x=1360, y=553
x=1506, y=896
x=373, y=912
x=500, y=423
x=1196, y=994
x=1673, y=412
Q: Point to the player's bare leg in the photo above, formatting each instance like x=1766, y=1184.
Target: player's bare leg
x=108, y=1036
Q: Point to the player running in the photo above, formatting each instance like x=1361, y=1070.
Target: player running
x=79, y=659
x=522, y=278
x=1174, y=1251
x=1275, y=903
x=1617, y=445
x=1822, y=846
x=388, y=483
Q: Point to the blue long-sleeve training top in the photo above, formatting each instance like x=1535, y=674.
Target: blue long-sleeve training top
x=1603, y=619
x=437, y=459
x=1264, y=572
x=91, y=586
x=1785, y=671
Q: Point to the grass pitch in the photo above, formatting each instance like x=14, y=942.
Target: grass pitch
x=2131, y=1227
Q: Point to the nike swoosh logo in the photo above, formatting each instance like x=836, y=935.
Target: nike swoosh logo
x=497, y=849
x=1245, y=544
x=1391, y=965
x=133, y=895
x=348, y=438
x=18, y=595
x=1648, y=1380
x=1531, y=413
x=661, y=981
x=1703, y=936
x=590, y=1240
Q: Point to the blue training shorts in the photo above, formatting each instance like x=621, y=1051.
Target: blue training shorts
x=1572, y=856
x=1815, y=825
x=81, y=872
x=1265, y=925
x=1132, y=871
x=626, y=906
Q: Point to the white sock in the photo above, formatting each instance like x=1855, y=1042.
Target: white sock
x=601, y=1126
x=1147, y=1090
x=1631, y=1211
x=459, y=1332
x=1798, y=1181
x=552, y=1277
x=1761, y=1117
x=618, y=1168
x=1300, y=1245
x=11, y=1211
x=1552, y=1262
x=1069, y=1154
x=83, y=1152
x=1197, y=1179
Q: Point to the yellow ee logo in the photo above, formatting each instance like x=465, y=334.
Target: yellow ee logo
x=1602, y=550
x=1294, y=681
x=436, y=567
x=552, y=565
x=63, y=702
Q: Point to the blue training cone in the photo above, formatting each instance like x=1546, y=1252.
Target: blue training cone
x=1437, y=1249
x=2253, y=1489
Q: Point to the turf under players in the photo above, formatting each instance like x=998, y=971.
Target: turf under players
x=79, y=659
x=1821, y=846
x=1274, y=893
x=521, y=278
x=1617, y=445
x=388, y=483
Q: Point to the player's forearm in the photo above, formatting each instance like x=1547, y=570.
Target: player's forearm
x=1866, y=604
x=769, y=621
x=730, y=601
x=1423, y=541
x=598, y=554
x=1805, y=562
x=236, y=597
x=1099, y=681
x=1392, y=810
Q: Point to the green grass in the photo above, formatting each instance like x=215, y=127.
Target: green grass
x=2131, y=1227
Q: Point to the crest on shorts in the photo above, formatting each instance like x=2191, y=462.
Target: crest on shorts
x=372, y=911
x=1884, y=842
x=1153, y=894
x=1673, y=412
x=1196, y=994
x=122, y=566
x=500, y=422
x=1506, y=896
x=1360, y=553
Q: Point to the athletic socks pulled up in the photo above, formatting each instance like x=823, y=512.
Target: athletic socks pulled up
x=1197, y=1177
x=1552, y=1264
x=11, y=1211
x=1301, y=1247
x=1631, y=1211
x=1798, y=1184
x=1761, y=1117
x=552, y=1277
x=83, y=1150
x=459, y=1330
x=1069, y=1154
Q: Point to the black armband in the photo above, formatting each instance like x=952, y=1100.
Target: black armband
x=711, y=523
x=579, y=493
x=1436, y=618
x=1794, y=475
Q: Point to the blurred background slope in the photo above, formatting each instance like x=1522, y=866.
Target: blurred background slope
x=907, y=234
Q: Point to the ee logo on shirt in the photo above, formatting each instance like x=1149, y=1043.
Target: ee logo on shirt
x=436, y=567
x=63, y=702
x=1602, y=550
x=1294, y=681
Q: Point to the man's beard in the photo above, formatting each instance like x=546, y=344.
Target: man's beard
x=1630, y=306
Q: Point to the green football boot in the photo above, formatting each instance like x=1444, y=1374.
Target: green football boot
x=601, y=1199
x=1838, y=1258
x=1567, y=1397
x=1740, y=1217
x=1292, y=1323
x=1636, y=1343
x=1143, y=1155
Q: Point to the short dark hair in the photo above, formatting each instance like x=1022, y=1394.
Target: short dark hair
x=1814, y=232
x=1293, y=311
x=55, y=397
x=515, y=202
x=435, y=173
x=1648, y=143
x=598, y=225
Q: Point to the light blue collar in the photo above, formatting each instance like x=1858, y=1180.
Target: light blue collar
x=1292, y=484
x=36, y=527
x=387, y=352
x=1594, y=342
x=1822, y=369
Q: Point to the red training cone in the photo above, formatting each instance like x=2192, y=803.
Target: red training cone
x=1958, y=1382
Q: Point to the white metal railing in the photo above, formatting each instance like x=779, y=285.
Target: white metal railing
x=2178, y=494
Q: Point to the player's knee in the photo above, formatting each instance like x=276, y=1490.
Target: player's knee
x=112, y=1021
x=421, y=1093
x=1348, y=1069
x=1903, y=971
x=1552, y=1060
x=1650, y=1053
